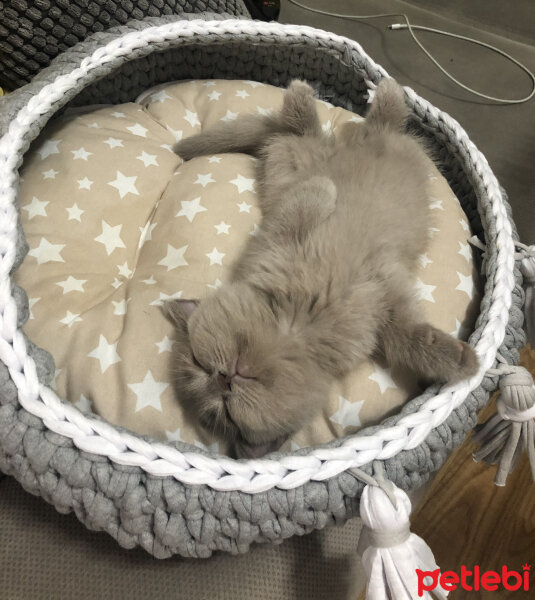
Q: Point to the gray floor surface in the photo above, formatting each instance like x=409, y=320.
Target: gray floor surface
x=504, y=133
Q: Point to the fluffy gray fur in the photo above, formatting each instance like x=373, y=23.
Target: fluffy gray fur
x=327, y=282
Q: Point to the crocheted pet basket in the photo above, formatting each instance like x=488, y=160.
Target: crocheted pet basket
x=173, y=498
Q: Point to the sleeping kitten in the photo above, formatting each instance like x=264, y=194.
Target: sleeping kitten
x=325, y=284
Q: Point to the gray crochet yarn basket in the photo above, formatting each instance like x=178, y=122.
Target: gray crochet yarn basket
x=172, y=498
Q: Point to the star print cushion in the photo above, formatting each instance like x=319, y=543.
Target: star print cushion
x=116, y=223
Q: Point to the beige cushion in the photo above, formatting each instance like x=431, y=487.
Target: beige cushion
x=116, y=223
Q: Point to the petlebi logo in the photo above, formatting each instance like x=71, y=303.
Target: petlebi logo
x=474, y=580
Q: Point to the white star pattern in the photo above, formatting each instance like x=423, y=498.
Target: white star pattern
x=214, y=159
x=242, y=94
x=72, y=284
x=50, y=174
x=148, y=392
x=424, y=260
x=347, y=414
x=118, y=115
x=432, y=231
x=36, y=208
x=124, y=270
x=105, y=353
x=214, y=95
x=192, y=118
x=243, y=184
x=48, y=148
x=464, y=225
x=327, y=127
x=222, y=228
x=177, y=133
x=110, y=237
x=174, y=257
x=254, y=230
x=116, y=283
x=84, y=184
x=160, y=96
x=114, y=142
x=31, y=303
x=138, y=130
x=383, y=378
x=166, y=345
x=164, y=297
x=217, y=284
x=204, y=179
x=47, y=252
x=215, y=257
x=75, y=213
x=229, y=116
x=244, y=207
x=173, y=436
x=149, y=281
x=264, y=111
x=148, y=159
x=119, y=308
x=190, y=208
x=254, y=84
x=425, y=291
x=435, y=204
x=83, y=404
x=94, y=126
x=466, y=285
x=70, y=319
x=124, y=185
x=146, y=233
x=81, y=154
x=460, y=332
x=167, y=147
x=465, y=251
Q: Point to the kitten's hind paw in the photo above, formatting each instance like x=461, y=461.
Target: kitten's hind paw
x=299, y=113
x=444, y=358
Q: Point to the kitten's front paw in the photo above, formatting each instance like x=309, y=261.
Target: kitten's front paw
x=444, y=357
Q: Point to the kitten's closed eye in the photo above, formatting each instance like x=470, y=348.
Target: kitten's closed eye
x=198, y=364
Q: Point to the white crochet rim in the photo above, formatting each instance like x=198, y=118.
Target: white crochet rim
x=225, y=474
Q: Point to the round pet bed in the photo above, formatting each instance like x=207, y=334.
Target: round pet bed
x=174, y=498
x=117, y=224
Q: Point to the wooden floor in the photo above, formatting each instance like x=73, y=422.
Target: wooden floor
x=467, y=520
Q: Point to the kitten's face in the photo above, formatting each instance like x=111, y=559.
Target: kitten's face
x=244, y=376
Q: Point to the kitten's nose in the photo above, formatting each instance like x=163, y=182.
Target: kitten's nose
x=242, y=369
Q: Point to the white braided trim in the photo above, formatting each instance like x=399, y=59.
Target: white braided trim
x=251, y=476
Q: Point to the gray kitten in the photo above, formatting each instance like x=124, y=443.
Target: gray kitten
x=325, y=284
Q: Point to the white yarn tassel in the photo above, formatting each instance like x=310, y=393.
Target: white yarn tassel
x=390, y=552
x=512, y=429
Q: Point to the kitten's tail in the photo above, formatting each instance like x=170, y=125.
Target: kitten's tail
x=388, y=110
x=250, y=133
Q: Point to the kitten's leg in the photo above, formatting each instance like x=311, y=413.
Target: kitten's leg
x=251, y=133
x=302, y=208
x=299, y=115
x=408, y=342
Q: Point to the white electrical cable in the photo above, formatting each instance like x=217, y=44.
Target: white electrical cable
x=407, y=25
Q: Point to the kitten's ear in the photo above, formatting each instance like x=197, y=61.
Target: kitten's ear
x=178, y=311
x=388, y=110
